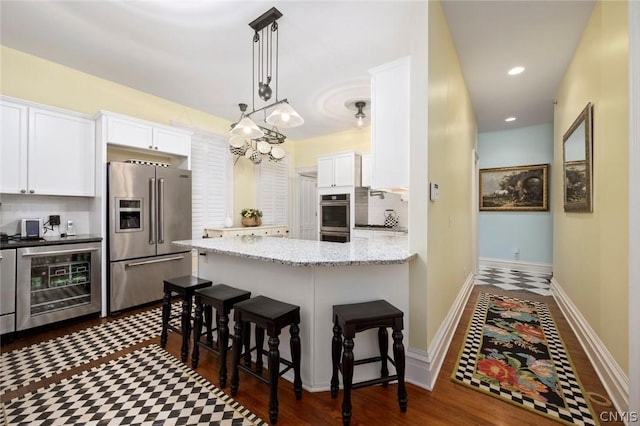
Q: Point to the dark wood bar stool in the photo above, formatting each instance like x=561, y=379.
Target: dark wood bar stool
x=185, y=287
x=271, y=316
x=356, y=317
x=220, y=297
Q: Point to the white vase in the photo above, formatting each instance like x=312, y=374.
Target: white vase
x=228, y=222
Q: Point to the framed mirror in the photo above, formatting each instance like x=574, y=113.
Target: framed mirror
x=577, y=165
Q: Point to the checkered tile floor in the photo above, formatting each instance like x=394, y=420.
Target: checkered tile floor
x=145, y=387
x=508, y=279
x=36, y=362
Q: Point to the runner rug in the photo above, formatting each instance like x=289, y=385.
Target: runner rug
x=513, y=351
x=147, y=386
x=36, y=362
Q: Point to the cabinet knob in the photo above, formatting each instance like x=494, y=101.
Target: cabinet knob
x=156, y=147
x=23, y=191
x=150, y=146
x=31, y=191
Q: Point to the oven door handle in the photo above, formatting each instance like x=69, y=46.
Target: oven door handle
x=334, y=203
x=56, y=252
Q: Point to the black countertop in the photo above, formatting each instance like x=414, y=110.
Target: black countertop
x=50, y=241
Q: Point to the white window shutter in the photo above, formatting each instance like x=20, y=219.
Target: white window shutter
x=212, y=181
x=273, y=192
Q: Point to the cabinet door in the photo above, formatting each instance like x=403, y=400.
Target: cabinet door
x=390, y=112
x=61, y=154
x=170, y=142
x=325, y=172
x=13, y=148
x=366, y=170
x=343, y=170
x=129, y=133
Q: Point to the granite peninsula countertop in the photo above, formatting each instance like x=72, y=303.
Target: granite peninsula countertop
x=288, y=251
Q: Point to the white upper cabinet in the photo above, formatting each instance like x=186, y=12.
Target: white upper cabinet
x=390, y=111
x=366, y=170
x=129, y=132
x=339, y=170
x=13, y=147
x=46, y=151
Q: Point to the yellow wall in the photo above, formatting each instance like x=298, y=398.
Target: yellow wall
x=452, y=137
x=308, y=150
x=590, y=255
x=34, y=79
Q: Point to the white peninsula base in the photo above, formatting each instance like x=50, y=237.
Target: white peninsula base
x=316, y=288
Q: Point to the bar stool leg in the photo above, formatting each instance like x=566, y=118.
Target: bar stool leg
x=259, y=351
x=247, y=344
x=166, y=314
x=398, y=356
x=274, y=367
x=336, y=352
x=208, y=317
x=197, y=332
x=347, y=377
x=186, y=327
x=296, y=354
x=383, y=344
x=223, y=342
x=237, y=349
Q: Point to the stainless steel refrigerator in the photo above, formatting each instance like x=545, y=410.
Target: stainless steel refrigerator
x=148, y=208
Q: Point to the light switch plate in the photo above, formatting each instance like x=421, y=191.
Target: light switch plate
x=434, y=191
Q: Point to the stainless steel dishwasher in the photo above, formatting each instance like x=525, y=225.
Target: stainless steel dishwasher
x=56, y=282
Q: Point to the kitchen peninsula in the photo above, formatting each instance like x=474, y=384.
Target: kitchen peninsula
x=314, y=275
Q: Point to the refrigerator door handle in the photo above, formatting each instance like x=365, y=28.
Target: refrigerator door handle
x=161, y=211
x=147, y=262
x=152, y=210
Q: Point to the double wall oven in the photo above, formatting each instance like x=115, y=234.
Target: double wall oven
x=334, y=218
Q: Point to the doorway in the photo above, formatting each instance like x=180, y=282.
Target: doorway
x=307, y=205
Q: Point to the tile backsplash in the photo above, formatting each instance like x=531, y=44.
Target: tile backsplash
x=378, y=205
x=16, y=207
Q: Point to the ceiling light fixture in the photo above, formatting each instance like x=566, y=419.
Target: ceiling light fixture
x=509, y=119
x=360, y=115
x=516, y=70
x=249, y=139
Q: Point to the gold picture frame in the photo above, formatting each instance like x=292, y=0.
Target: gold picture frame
x=519, y=188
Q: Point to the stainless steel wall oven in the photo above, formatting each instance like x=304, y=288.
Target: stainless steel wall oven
x=334, y=218
x=56, y=282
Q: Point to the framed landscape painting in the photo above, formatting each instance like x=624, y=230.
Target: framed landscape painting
x=521, y=188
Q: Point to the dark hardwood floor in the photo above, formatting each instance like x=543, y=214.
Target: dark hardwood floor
x=449, y=403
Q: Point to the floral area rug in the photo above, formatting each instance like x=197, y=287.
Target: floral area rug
x=513, y=351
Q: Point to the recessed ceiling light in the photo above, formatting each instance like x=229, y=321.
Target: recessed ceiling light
x=516, y=70
x=508, y=119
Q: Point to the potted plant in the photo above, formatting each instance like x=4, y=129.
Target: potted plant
x=251, y=217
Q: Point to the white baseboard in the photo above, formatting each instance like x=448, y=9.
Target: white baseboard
x=613, y=378
x=422, y=368
x=543, y=268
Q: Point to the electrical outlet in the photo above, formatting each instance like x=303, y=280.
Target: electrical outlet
x=54, y=219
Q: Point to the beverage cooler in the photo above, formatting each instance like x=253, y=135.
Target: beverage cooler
x=56, y=282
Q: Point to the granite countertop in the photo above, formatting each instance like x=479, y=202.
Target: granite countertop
x=288, y=251
x=50, y=241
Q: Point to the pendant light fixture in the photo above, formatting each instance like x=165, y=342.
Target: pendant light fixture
x=360, y=115
x=261, y=141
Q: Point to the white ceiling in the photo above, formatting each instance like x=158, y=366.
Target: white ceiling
x=198, y=53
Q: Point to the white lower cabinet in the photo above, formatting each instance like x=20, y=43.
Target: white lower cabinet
x=46, y=151
x=265, y=231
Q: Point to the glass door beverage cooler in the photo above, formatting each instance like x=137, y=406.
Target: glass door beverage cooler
x=56, y=282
